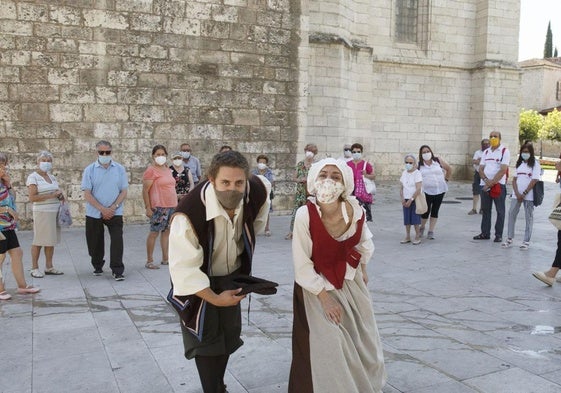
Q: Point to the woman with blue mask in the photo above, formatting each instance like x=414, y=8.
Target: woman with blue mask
x=46, y=196
x=411, y=186
x=528, y=173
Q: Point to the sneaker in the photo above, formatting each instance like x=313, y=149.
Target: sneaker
x=472, y=212
x=525, y=246
x=497, y=239
x=543, y=278
x=430, y=235
x=36, y=273
x=98, y=272
x=507, y=243
x=118, y=277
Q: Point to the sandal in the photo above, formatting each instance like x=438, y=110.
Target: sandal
x=507, y=243
x=53, y=271
x=5, y=296
x=150, y=265
x=525, y=246
x=28, y=290
x=405, y=241
x=164, y=263
x=36, y=273
x=288, y=236
x=268, y=233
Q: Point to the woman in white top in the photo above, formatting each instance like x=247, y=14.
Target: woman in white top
x=46, y=196
x=335, y=341
x=436, y=173
x=411, y=185
x=528, y=172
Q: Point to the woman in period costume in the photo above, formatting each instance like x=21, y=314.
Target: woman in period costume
x=335, y=341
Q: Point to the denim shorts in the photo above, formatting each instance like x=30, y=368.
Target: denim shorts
x=160, y=219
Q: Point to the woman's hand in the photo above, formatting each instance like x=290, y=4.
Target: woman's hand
x=331, y=308
x=364, y=273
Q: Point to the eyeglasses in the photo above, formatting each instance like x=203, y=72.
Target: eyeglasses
x=346, y=149
x=186, y=151
x=104, y=153
x=356, y=151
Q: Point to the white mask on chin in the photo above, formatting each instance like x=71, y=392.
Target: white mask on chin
x=328, y=190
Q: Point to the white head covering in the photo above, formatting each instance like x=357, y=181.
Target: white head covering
x=348, y=179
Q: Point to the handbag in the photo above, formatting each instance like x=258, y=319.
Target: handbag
x=538, y=193
x=63, y=217
x=369, y=184
x=555, y=217
x=495, y=191
x=421, y=206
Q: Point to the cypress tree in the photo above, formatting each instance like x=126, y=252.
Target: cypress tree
x=548, y=47
x=555, y=52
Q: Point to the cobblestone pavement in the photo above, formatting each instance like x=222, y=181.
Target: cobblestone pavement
x=455, y=315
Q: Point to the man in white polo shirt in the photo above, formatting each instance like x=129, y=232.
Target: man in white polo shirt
x=493, y=172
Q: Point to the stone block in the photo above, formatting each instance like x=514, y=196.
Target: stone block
x=4, y=92
x=8, y=9
x=138, y=130
x=77, y=95
x=178, y=114
x=135, y=96
x=144, y=6
x=62, y=45
x=210, y=98
x=170, y=41
x=222, y=13
x=220, y=84
x=16, y=27
x=192, y=82
x=65, y=112
x=92, y=47
x=276, y=118
x=108, y=35
x=153, y=51
x=9, y=111
x=76, y=32
x=9, y=74
x=106, y=95
x=269, y=19
x=273, y=87
x=8, y=42
x=105, y=113
x=107, y=131
x=135, y=37
x=106, y=19
x=236, y=133
x=168, y=66
x=33, y=93
x=206, y=132
x=135, y=64
x=152, y=79
x=93, y=77
x=171, y=97
x=34, y=112
x=259, y=33
x=32, y=12
x=122, y=78
x=65, y=15
x=50, y=131
x=262, y=102
x=246, y=117
x=189, y=27
x=279, y=5
x=279, y=36
x=247, y=58
x=146, y=22
x=214, y=29
x=146, y=113
x=170, y=7
x=63, y=76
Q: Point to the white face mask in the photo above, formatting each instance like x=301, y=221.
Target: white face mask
x=261, y=166
x=347, y=153
x=427, y=156
x=104, y=160
x=160, y=160
x=524, y=156
x=178, y=162
x=309, y=154
x=408, y=167
x=328, y=190
x=356, y=156
x=45, y=166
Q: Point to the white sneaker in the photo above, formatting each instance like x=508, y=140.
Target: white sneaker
x=543, y=278
x=525, y=246
x=36, y=273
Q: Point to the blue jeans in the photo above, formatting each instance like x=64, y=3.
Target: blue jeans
x=513, y=213
x=486, y=206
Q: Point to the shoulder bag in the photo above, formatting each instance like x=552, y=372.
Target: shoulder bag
x=538, y=193
x=369, y=184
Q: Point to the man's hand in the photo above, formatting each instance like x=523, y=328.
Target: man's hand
x=107, y=213
x=228, y=298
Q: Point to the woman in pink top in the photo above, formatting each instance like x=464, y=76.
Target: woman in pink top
x=160, y=200
x=361, y=169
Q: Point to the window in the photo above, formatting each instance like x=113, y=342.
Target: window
x=412, y=22
x=558, y=92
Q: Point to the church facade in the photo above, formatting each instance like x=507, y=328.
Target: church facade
x=263, y=76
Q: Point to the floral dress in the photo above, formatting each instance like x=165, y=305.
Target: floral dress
x=301, y=191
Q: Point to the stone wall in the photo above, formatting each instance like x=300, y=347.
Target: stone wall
x=143, y=72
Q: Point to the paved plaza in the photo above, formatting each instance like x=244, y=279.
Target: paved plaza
x=455, y=315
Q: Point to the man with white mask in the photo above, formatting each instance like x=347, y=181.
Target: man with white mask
x=105, y=185
x=191, y=162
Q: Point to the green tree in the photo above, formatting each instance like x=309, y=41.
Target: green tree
x=551, y=128
x=529, y=124
x=548, y=47
x=555, y=52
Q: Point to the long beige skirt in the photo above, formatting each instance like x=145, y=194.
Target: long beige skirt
x=330, y=358
x=45, y=230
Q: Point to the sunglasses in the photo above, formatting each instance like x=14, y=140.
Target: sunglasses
x=356, y=151
x=346, y=149
x=104, y=153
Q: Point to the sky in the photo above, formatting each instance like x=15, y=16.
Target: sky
x=534, y=16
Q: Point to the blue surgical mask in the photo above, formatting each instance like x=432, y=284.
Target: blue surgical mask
x=104, y=160
x=45, y=166
x=356, y=156
x=186, y=155
x=525, y=156
x=408, y=167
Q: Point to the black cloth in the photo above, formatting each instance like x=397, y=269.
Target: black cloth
x=96, y=242
x=433, y=204
x=557, y=260
x=10, y=242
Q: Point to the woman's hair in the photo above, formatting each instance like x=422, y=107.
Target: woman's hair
x=262, y=157
x=311, y=146
x=421, y=161
x=532, y=160
x=357, y=145
x=230, y=158
x=44, y=154
x=409, y=156
x=159, y=147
